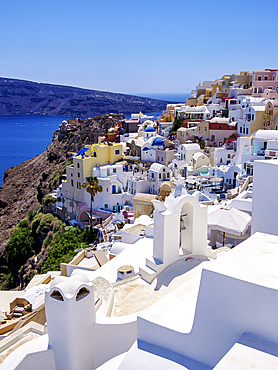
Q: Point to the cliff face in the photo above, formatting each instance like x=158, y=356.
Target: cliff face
x=25, y=185
x=26, y=97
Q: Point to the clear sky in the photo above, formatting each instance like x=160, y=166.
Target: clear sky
x=135, y=46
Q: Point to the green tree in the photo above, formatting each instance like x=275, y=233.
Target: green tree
x=19, y=248
x=92, y=186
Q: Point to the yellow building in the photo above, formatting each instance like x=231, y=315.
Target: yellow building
x=87, y=158
x=203, y=129
x=271, y=115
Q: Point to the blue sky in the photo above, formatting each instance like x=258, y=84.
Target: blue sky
x=135, y=46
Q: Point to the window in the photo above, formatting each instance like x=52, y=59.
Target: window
x=212, y=137
x=229, y=155
x=219, y=127
x=265, y=78
x=152, y=176
x=243, y=130
x=117, y=151
x=247, y=130
x=78, y=165
x=78, y=174
x=95, y=154
x=252, y=117
x=105, y=205
x=107, y=190
x=168, y=174
x=270, y=87
x=71, y=174
x=205, y=128
x=240, y=130
x=160, y=175
x=158, y=158
x=259, y=78
x=71, y=182
x=114, y=170
x=79, y=185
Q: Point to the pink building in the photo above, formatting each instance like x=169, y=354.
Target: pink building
x=267, y=79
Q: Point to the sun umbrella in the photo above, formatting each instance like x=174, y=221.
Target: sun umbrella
x=228, y=220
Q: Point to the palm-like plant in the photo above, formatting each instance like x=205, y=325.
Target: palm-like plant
x=92, y=186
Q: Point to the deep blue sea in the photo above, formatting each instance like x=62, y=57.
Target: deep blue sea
x=24, y=137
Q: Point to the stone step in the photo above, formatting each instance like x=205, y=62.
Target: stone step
x=147, y=274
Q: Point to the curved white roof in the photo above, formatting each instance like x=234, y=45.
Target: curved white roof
x=266, y=135
x=156, y=167
x=190, y=146
x=198, y=155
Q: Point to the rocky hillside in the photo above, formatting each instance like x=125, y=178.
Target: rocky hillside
x=25, y=185
x=26, y=97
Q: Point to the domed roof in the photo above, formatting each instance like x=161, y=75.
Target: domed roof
x=149, y=129
x=158, y=142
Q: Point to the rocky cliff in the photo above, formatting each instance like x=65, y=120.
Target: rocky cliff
x=25, y=185
x=26, y=97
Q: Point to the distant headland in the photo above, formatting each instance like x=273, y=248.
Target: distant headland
x=21, y=97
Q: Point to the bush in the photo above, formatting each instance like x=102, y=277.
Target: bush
x=19, y=248
x=23, y=224
x=42, y=223
x=64, y=245
x=31, y=215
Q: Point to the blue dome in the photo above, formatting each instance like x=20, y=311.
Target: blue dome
x=158, y=142
x=149, y=129
x=144, y=149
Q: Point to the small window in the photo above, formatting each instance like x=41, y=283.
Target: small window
x=247, y=130
x=71, y=174
x=205, y=128
x=160, y=175
x=71, y=182
x=78, y=165
x=265, y=78
x=78, y=174
x=158, y=158
x=105, y=205
x=259, y=78
x=57, y=295
x=240, y=130
x=219, y=127
x=117, y=151
x=252, y=117
x=114, y=170
x=83, y=292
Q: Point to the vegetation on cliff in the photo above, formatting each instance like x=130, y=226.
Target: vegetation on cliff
x=21, y=196
x=39, y=244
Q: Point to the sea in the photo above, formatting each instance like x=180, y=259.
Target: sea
x=24, y=137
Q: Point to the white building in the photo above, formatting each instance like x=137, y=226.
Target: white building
x=158, y=173
x=113, y=179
